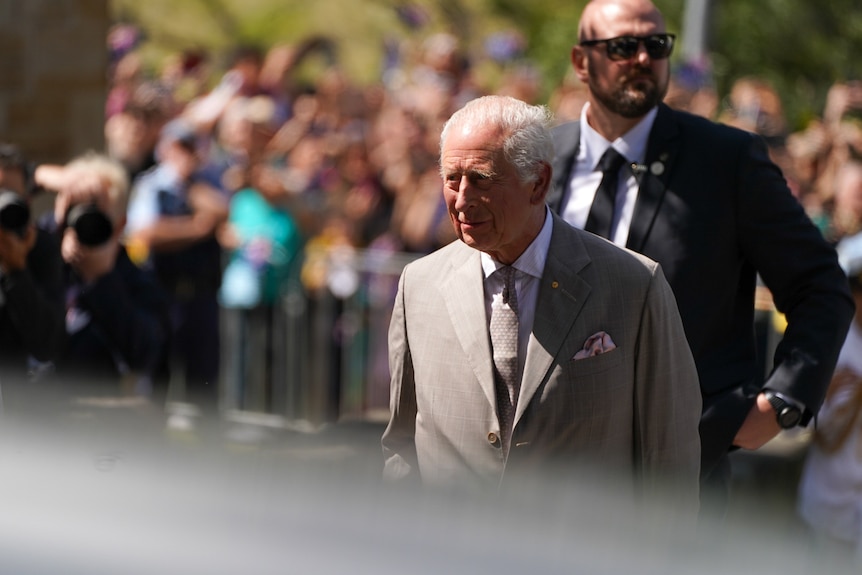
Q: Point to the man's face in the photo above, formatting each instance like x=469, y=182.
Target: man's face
x=631, y=87
x=183, y=159
x=127, y=138
x=490, y=208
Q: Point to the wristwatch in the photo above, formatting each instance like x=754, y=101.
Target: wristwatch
x=787, y=414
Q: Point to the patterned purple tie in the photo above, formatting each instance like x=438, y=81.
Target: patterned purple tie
x=504, y=344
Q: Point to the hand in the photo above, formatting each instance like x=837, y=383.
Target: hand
x=840, y=99
x=14, y=249
x=89, y=262
x=267, y=181
x=228, y=237
x=759, y=426
x=81, y=186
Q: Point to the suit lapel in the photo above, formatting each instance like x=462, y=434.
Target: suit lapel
x=662, y=151
x=463, y=292
x=566, y=141
x=562, y=294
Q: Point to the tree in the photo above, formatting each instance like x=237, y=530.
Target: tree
x=799, y=46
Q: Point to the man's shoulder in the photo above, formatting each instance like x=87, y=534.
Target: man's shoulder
x=442, y=258
x=689, y=123
x=607, y=251
x=566, y=131
x=606, y=257
x=153, y=172
x=155, y=178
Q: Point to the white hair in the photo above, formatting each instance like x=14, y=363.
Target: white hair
x=528, y=143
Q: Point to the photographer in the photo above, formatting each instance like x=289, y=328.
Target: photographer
x=116, y=320
x=31, y=293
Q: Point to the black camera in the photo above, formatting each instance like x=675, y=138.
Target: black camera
x=91, y=225
x=14, y=212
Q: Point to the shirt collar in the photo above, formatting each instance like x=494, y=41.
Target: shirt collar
x=532, y=261
x=632, y=145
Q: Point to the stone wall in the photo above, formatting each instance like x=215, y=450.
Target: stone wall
x=53, y=76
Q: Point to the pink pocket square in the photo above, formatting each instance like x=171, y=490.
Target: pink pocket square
x=597, y=343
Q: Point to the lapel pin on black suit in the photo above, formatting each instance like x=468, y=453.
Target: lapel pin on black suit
x=656, y=169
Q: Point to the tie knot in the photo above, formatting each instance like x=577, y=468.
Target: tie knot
x=611, y=160
x=507, y=274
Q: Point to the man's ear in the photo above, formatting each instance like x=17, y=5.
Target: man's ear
x=542, y=184
x=580, y=63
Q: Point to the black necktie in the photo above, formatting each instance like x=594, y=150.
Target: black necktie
x=601, y=218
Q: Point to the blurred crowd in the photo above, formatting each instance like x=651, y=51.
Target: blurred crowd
x=226, y=177
x=822, y=162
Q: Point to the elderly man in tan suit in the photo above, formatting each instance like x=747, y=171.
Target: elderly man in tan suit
x=600, y=380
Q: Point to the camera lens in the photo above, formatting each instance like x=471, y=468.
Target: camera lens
x=91, y=225
x=14, y=212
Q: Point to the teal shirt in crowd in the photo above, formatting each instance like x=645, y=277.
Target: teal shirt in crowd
x=269, y=244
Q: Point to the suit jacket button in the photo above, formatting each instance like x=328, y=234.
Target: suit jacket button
x=492, y=437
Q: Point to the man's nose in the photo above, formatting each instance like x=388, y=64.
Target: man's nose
x=642, y=55
x=465, y=196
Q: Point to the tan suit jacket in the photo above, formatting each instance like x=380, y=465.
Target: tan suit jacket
x=632, y=411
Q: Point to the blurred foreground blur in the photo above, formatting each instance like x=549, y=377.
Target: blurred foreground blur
x=285, y=476
x=103, y=489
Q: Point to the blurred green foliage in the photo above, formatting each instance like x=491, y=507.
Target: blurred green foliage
x=800, y=46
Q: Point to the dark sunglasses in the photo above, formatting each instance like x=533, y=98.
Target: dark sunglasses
x=658, y=46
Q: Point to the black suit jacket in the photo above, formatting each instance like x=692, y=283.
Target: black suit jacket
x=715, y=212
x=31, y=310
x=129, y=327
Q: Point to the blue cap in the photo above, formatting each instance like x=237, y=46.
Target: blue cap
x=179, y=130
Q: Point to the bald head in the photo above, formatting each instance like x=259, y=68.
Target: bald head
x=628, y=77
x=604, y=19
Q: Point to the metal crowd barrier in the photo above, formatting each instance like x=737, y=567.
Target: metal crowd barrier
x=320, y=354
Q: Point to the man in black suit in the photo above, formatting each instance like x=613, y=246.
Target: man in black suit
x=706, y=202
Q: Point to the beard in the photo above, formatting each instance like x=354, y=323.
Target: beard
x=637, y=95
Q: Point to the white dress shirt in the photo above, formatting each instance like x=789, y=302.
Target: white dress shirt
x=585, y=177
